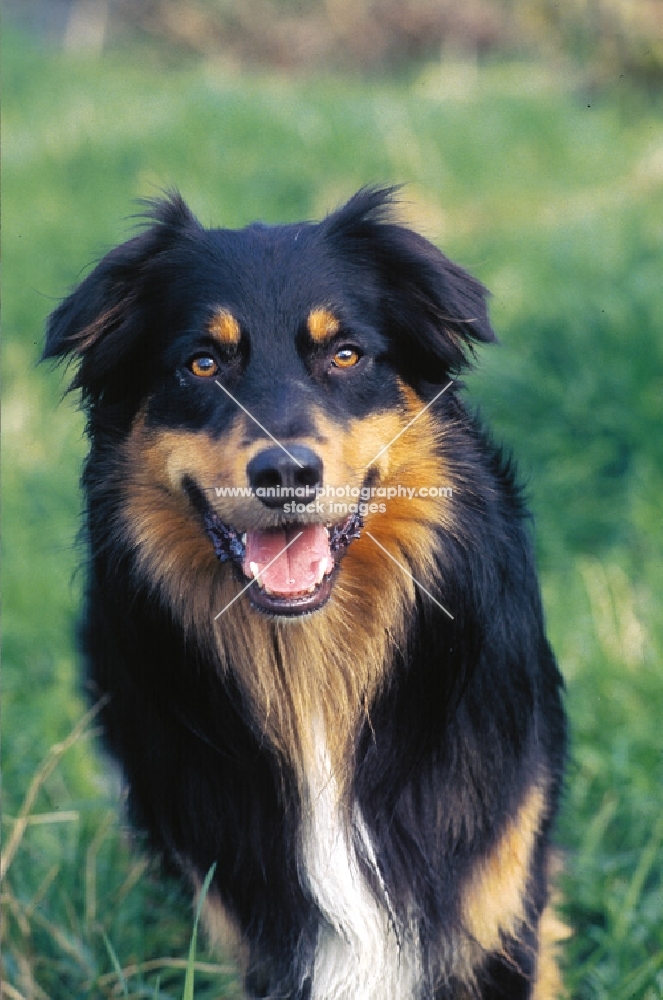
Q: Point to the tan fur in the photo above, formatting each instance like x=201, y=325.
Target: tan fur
x=84, y=339
x=328, y=665
x=494, y=898
x=222, y=930
x=224, y=327
x=552, y=932
x=322, y=325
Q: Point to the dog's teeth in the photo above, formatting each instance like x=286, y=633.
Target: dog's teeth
x=255, y=569
x=243, y=539
x=326, y=566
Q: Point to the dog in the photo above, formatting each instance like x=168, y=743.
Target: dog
x=312, y=607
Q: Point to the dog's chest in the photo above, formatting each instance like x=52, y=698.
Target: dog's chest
x=360, y=954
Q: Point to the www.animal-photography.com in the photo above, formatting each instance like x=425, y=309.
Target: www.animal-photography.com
x=332, y=471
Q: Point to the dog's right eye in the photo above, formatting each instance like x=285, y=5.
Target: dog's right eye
x=203, y=366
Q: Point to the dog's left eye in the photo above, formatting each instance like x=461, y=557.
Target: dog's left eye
x=204, y=366
x=346, y=357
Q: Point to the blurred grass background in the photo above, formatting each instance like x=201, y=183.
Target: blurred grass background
x=530, y=141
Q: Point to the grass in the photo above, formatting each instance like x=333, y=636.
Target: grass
x=555, y=199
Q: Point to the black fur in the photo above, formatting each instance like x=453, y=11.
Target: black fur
x=471, y=716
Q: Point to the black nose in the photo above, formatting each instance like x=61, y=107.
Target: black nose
x=276, y=478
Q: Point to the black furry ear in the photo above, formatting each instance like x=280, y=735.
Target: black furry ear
x=100, y=321
x=434, y=311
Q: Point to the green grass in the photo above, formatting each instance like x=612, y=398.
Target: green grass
x=555, y=200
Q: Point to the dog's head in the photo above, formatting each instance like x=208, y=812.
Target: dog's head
x=250, y=390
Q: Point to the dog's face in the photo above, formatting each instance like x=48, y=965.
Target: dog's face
x=255, y=386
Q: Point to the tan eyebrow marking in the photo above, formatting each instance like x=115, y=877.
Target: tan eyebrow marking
x=322, y=324
x=224, y=327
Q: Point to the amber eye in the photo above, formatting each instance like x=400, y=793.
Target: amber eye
x=345, y=357
x=203, y=366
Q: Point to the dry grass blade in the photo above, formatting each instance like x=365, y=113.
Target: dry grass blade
x=51, y=875
x=91, y=868
x=11, y=993
x=47, y=767
x=65, y=943
x=136, y=872
x=161, y=964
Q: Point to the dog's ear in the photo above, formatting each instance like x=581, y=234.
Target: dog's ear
x=104, y=317
x=434, y=311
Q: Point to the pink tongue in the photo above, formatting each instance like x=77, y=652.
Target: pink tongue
x=295, y=570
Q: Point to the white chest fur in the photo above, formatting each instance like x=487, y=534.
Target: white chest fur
x=359, y=954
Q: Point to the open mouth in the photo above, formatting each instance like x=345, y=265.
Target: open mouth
x=291, y=567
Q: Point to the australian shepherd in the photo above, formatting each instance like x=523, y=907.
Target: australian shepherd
x=312, y=607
